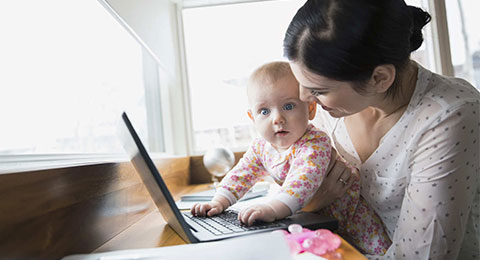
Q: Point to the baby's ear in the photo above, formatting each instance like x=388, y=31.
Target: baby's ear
x=250, y=114
x=312, y=109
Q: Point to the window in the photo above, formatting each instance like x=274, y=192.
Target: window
x=66, y=79
x=463, y=19
x=222, y=48
x=424, y=55
x=68, y=71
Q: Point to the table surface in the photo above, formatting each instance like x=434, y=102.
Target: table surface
x=153, y=231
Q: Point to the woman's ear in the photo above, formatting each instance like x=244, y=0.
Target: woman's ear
x=383, y=77
x=250, y=114
x=312, y=110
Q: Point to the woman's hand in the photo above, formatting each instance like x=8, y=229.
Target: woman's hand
x=334, y=186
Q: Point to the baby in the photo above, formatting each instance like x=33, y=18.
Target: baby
x=296, y=155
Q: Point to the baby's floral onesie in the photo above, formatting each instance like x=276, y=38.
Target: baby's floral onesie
x=300, y=170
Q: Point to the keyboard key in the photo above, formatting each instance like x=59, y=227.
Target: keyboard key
x=227, y=223
x=217, y=226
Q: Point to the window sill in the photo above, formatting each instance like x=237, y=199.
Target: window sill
x=23, y=163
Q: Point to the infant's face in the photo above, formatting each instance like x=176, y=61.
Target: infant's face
x=279, y=115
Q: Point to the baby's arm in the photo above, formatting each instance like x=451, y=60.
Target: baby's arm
x=306, y=172
x=218, y=204
x=234, y=185
x=267, y=212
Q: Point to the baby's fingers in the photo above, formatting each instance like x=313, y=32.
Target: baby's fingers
x=201, y=209
x=253, y=216
x=248, y=216
x=244, y=214
x=214, y=211
x=204, y=208
x=192, y=210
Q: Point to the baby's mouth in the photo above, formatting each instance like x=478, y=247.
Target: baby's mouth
x=281, y=132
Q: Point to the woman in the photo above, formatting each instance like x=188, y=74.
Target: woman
x=413, y=134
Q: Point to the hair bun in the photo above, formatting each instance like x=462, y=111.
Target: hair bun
x=420, y=19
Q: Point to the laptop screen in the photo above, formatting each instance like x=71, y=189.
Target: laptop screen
x=152, y=179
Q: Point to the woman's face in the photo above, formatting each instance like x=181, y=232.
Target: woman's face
x=336, y=97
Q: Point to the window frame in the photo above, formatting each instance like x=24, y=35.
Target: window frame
x=158, y=103
x=438, y=46
x=168, y=98
x=441, y=43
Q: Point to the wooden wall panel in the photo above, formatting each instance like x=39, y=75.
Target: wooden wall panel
x=198, y=172
x=33, y=194
x=52, y=213
x=78, y=228
x=175, y=171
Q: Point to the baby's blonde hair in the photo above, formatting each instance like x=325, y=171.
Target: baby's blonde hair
x=270, y=72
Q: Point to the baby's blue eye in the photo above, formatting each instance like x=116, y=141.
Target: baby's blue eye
x=288, y=106
x=264, y=111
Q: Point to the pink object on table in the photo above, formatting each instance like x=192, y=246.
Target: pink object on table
x=318, y=242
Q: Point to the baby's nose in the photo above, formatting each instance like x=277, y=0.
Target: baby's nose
x=279, y=119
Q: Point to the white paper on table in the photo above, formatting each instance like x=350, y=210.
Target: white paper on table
x=261, y=246
x=258, y=187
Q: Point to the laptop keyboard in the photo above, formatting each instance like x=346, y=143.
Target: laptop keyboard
x=228, y=223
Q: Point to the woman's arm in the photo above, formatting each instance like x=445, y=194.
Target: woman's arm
x=331, y=188
x=438, y=199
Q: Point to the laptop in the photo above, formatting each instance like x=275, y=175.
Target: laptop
x=194, y=229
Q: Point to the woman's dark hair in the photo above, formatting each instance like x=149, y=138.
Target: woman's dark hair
x=346, y=39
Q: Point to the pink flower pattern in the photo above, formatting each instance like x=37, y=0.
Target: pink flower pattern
x=359, y=221
x=300, y=172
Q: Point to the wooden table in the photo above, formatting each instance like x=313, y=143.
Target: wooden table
x=153, y=231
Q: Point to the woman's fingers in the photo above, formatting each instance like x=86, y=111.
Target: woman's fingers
x=333, y=159
x=349, y=183
x=353, y=175
x=332, y=181
x=341, y=179
x=345, y=176
x=337, y=170
x=332, y=187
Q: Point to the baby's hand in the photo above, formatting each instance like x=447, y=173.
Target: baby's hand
x=208, y=209
x=262, y=212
